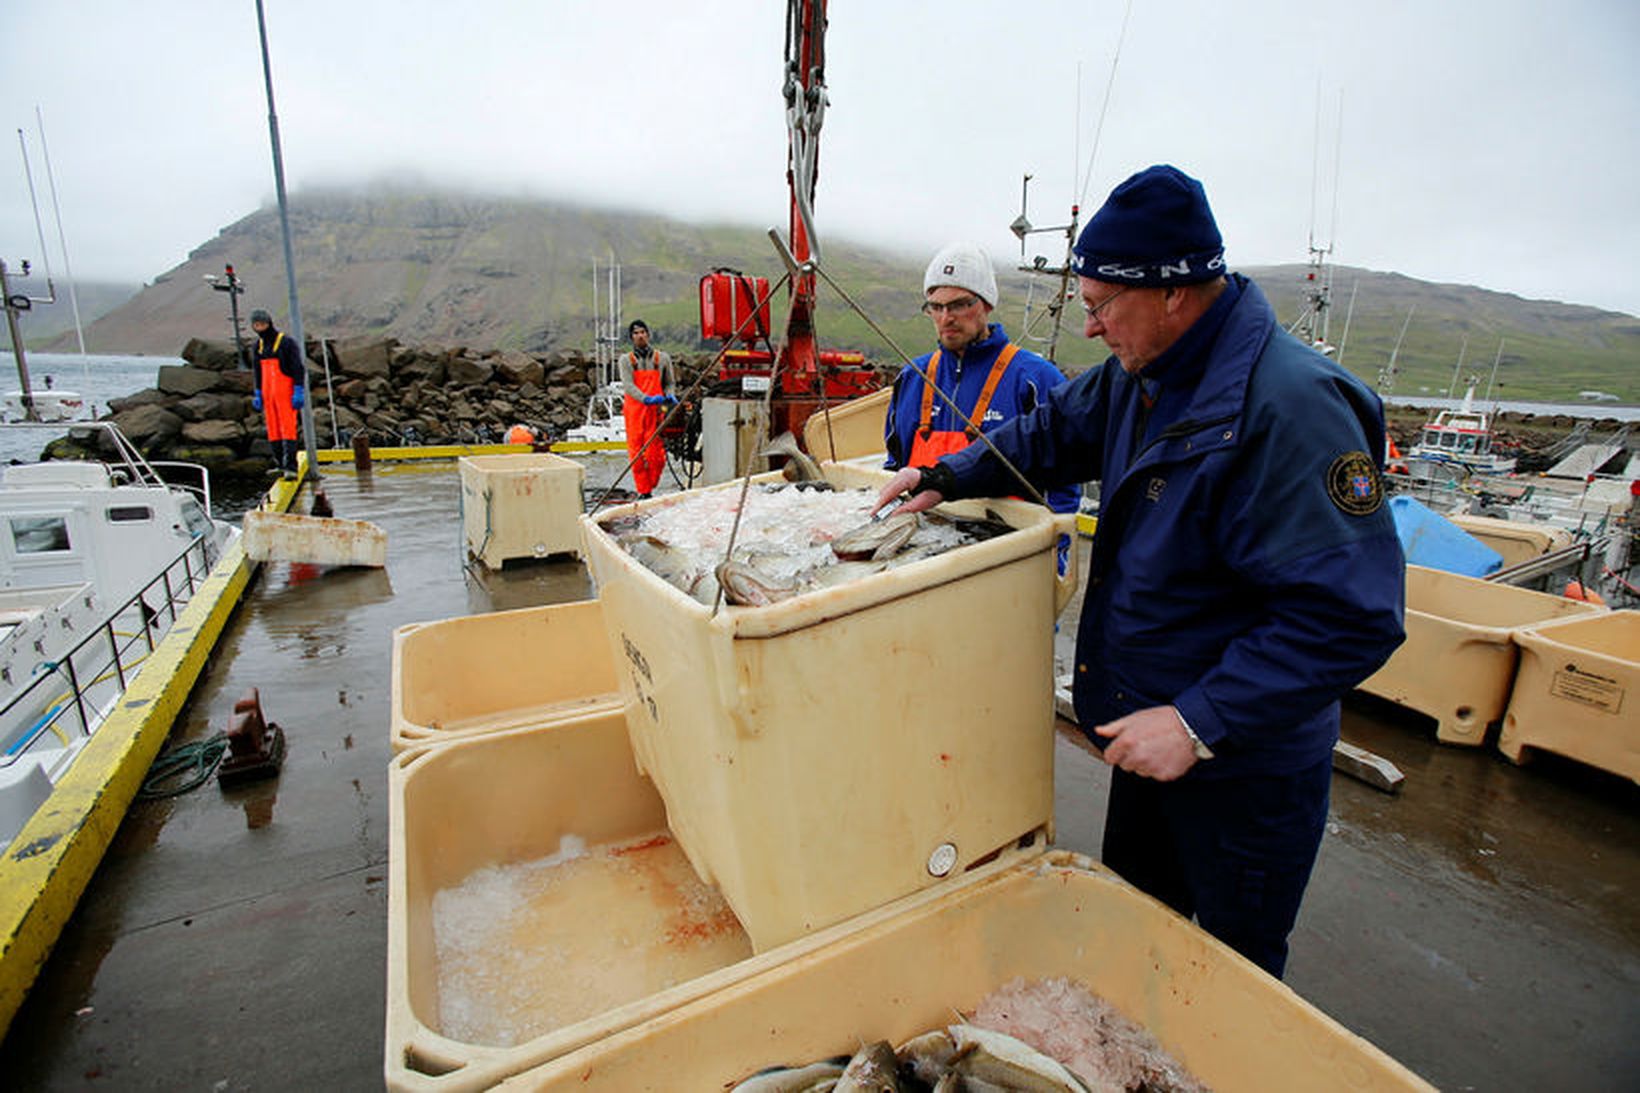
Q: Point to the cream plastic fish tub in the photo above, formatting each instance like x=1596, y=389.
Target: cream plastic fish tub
x=480, y=673
x=1458, y=662
x=316, y=540
x=904, y=972
x=849, y=430
x=827, y=754
x=621, y=966
x=1577, y=693
x=520, y=506
x=1516, y=541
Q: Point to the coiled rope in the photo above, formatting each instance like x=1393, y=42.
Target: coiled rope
x=183, y=768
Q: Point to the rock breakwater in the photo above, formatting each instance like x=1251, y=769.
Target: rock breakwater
x=201, y=412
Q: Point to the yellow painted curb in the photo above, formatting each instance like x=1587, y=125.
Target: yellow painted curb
x=47, y=866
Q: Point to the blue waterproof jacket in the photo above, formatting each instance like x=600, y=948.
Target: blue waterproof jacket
x=1245, y=568
x=1024, y=387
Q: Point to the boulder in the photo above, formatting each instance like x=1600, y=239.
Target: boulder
x=218, y=432
x=149, y=426
x=209, y=405
x=217, y=356
x=363, y=356
x=464, y=371
x=185, y=379
x=147, y=397
x=518, y=369
x=421, y=366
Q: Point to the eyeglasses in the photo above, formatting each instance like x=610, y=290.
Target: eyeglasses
x=960, y=304
x=1093, y=310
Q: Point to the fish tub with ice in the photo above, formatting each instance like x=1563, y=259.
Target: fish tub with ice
x=854, y=741
x=547, y=932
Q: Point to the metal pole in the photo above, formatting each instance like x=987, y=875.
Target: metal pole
x=29, y=413
x=284, y=228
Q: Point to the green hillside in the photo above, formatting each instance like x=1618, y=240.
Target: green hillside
x=459, y=269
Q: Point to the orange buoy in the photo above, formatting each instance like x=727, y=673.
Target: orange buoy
x=1576, y=591
x=521, y=434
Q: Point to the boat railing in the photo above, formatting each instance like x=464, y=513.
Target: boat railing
x=63, y=688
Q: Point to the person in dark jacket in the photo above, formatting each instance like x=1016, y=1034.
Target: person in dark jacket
x=281, y=389
x=1245, y=572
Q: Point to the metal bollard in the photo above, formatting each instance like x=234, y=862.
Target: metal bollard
x=361, y=451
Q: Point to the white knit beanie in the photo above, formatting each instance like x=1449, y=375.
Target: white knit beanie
x=962, y=265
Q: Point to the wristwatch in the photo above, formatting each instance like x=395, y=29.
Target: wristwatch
x=1201, y=749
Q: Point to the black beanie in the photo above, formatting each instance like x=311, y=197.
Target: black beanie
x=1153, y=230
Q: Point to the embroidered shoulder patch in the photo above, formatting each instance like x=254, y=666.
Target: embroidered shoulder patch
x=1353, y=484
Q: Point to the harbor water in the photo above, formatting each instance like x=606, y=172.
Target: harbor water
x=97, y=378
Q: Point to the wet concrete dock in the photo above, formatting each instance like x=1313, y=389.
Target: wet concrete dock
x=1483, y=926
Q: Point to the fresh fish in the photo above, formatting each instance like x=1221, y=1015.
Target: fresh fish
x=929, y=1057
x=874, y=1069
x=973, y=529
x=667, y=562
x=814, y=1078
x=800, y=466
x=829, y=576
x=1003, y=1061
x=878, y=539
x=748, y=587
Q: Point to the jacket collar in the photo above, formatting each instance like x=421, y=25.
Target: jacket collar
x=1215, y=356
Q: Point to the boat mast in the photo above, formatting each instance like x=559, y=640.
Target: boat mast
x=16, y=303
x=62, y=243
x=1314, y=320
x=1386, y=377
x=1497, y=360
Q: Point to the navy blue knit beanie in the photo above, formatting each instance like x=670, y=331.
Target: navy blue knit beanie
x=1153, y=230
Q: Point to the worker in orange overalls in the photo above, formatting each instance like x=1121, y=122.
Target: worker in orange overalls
x=650, y=387
x=281, y=389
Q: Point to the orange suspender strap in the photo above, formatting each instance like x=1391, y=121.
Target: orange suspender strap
x=985, y=394
x=924, y=426
x=990, y=388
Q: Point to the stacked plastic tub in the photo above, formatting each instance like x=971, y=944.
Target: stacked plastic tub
x=520, y=506
x=1577, y=692
x=1458, y=662
x=866, y=748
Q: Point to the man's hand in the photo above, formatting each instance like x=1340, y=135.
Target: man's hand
x=298, y=397
x=256, y=402
x=653, y=400
x=1151, y=743
x=905, y=481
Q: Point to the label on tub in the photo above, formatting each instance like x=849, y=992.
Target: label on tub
x=1601, y=692
x=754, y=385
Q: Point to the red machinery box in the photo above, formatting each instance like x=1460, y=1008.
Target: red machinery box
x=727, y=300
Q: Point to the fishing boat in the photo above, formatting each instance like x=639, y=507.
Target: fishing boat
x=98, y=560
x=50, y=405
x=1461, y=438
x=605, y=425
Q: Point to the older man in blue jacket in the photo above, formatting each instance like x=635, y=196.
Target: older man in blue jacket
x=1245, y=574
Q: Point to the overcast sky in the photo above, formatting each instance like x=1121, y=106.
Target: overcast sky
x=1489, y=142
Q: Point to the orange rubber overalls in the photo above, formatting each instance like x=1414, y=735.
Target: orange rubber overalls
x=927, y=443
x=643, y=422
x=276, y=388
